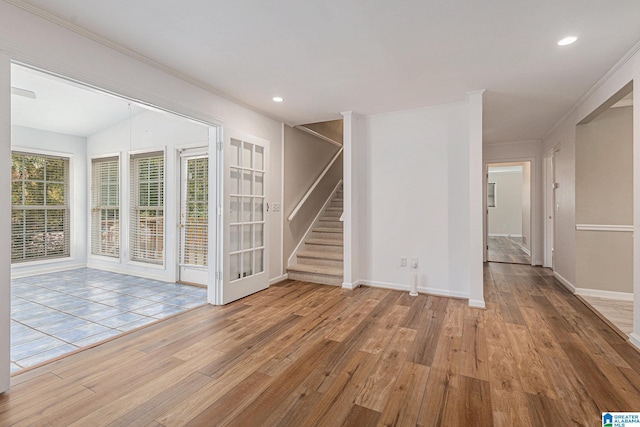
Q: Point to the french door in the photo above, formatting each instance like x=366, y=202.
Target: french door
x=194, y=217
x=244, y=217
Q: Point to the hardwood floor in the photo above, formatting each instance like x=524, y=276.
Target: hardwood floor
x=506, y=249
x=300, y=354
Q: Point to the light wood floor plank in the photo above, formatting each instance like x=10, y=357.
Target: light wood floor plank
x=303, y=354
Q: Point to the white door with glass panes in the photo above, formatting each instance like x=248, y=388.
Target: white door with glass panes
x=194, y=216
x=244, y=215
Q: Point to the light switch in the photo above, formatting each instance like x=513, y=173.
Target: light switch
x=276, y=207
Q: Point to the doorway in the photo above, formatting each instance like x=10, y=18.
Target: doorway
x=194, y=217
x=509, y=212
x=96, y=197
x=549, y=207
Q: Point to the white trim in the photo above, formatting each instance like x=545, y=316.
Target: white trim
x=129, y=272
x=526, y=141
x=477, y=303
x=282, y=270
x=564, y=282
x=421, y=289
x=318, y=135
x=504, y=235
x=534, y=205
x=315, y=184
x=293, y=258
x=604, y=227
x=634, y=339
x=54, y=269
x=145, y=60
x=352, y=286
x=621, y=296
x=278, y=279
x=595, y=87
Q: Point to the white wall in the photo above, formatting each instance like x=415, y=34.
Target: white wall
x=147, y=131
x=417, y=198
x=48, y=46
x=74, y=147
x=564, y=136
x=525, y=151
x=35, y=41
x=5, y=221
x=505, y=218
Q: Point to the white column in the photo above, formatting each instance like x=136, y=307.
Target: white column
x=5, y=221
x=351, y=205
x=476, y=285
x=635, y=335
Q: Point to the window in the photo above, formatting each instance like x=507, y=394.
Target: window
x=491, y=195
x=39, y=207
x=105, y=207
x=147, y=208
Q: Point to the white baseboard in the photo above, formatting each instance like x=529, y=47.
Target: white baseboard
x=137, y=273
x=34, y=271
x=564, y=282
x=278, y=279
x=504, y=235
x=421, y=289
x=634, y=339
x=477, y=303
x=352, y=286
x=622, y=296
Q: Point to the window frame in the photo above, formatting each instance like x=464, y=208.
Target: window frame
x=92, y=194
x=68, y=206
x=133, y=207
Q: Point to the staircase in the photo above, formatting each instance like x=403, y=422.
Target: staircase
x=321, y=259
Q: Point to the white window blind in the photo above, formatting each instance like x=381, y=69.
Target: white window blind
x=39, y=207
x=105, y=207
x=146, y=232
x=194, y=215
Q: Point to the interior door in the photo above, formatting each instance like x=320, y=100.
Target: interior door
x=194, y=217
x=244, y=215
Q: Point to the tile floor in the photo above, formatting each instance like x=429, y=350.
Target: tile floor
x=53, y=314
x=618, y=312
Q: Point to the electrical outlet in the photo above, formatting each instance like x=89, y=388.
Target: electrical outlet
x=414, y=262
x=276, y=207
x=403, y=262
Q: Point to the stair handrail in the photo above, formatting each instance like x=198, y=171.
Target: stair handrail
x=315, y=184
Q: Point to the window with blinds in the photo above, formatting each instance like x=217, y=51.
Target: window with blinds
x=146, y=231
x=39, y=207
x=105, y=207
x=194, y=211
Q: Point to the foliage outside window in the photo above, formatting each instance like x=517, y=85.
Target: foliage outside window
x=39, y=207
x=146, y=232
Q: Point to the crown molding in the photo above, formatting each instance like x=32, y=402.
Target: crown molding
x=595, y=87
x=136, y=56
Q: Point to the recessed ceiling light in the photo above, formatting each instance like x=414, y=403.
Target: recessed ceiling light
x=567, y=40
x=278, y=99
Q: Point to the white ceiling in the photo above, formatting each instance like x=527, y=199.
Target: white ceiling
x=372, y=56
x=62, y=107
